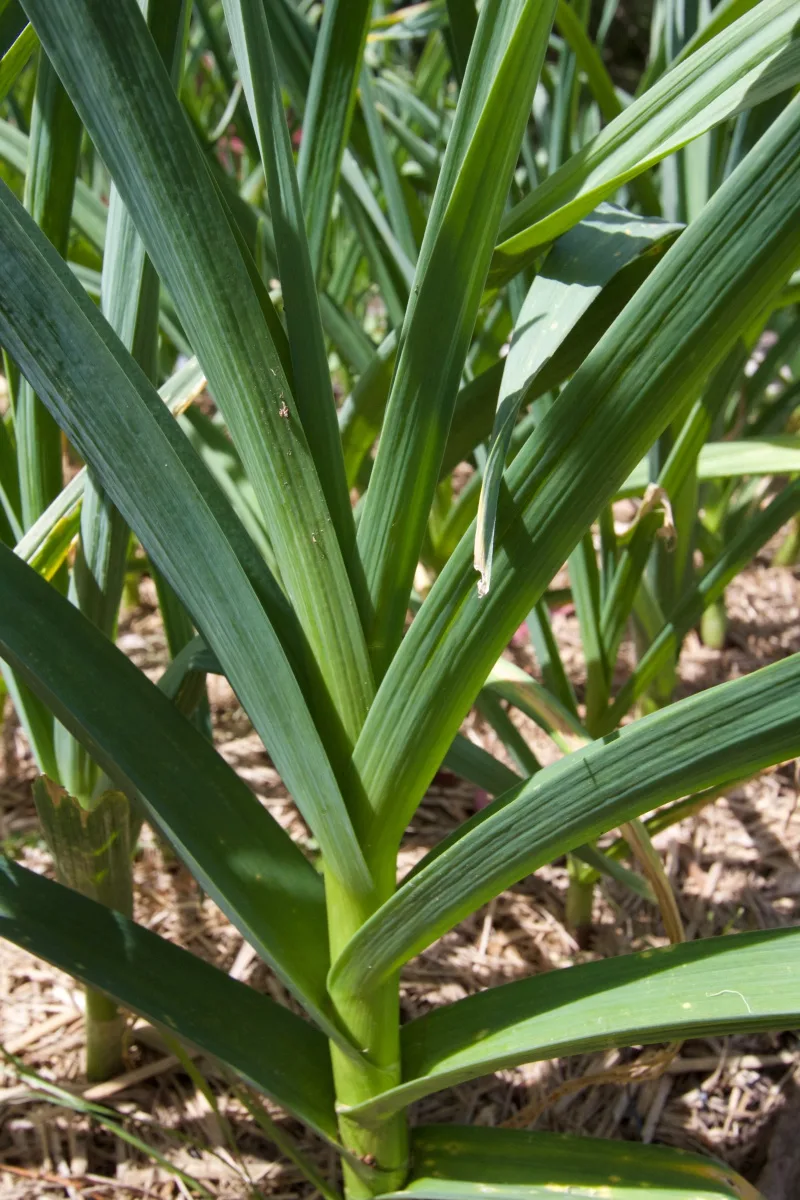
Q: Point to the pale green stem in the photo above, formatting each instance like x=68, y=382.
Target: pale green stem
x=580, y=897
x=372, y=1020
x=714, y=624
x=105, y=1030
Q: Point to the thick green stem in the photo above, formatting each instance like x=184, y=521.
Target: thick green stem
x=788, y=553
x=714, y=624
x=92, y=851
x=580, y=897
x=105, y=1030
x=373, y=1021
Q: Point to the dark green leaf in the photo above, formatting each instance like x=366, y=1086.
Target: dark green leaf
x=721, y=734
x=452, y=1162
x=276, y=1051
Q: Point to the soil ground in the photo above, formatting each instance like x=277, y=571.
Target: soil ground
x=733, y=867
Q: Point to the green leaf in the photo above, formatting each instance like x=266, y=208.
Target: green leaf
x=584, y=578
x=515, y=745
x=277, y=1052
x=779, y=455
x=516, y=686
x=129, y=293
x=749, y=539
x=387, y=171
x=16, y=58
x=179, y=515
x=361, y=413
x=46, y=544
x=89, y=214
x=605, y=864
x=739, y=983
x=473, y=416
x=548, y=656
x=12, y=23
x=426, y=159
x=720, y=734
x=472, y=762
x=238, y=852
x=574, y=274
x=9, y=480
x=721, y=16
x=294, y=41
x=414, y=20
x=476, y=403
x=328, y=112
x=710, y=285
x=358, y=190
x=247, y=25
x=463, y=22
x=219, y=454
x=676, y=479
x=49, y=186
x=751, y=60
x=113, y=71
x=591, y=63
x=493, y=107
x=454, y=1162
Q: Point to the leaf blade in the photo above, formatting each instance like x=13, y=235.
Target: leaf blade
x=572, y=277
x=721, y=734
x=660, y=349
x=63, y=343
x=122, y=91
x=252, y=48
x=452, y=1162
x=114, y=710
x=329, y=109
x=110, y=952
x=743, y=64
x=481, y=152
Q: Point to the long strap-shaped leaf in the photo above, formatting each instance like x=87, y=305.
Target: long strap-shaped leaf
x=779, y=455
x=589, y=59
x=46, y=543
x=675, y=479
x=15, y=58
x=276, y=1051
x=739, y=551
x=49, y=187
x=471, y=1162
x=746, y=981
x=112, y=69
x=493, y=107
x=754, y=58
x=106, y=405
x=328, y=112
x=88, y=211
x=576, y=270
x=129, y=302
x=387, y=170
x=294, y=41
x=715, y=280
x=721, y=734
x=247, y=25
x=476, y=402
x=240, y=854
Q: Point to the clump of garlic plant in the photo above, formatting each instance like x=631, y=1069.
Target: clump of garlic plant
x=625, y=321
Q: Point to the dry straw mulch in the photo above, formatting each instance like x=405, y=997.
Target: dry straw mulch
x=734, y=867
